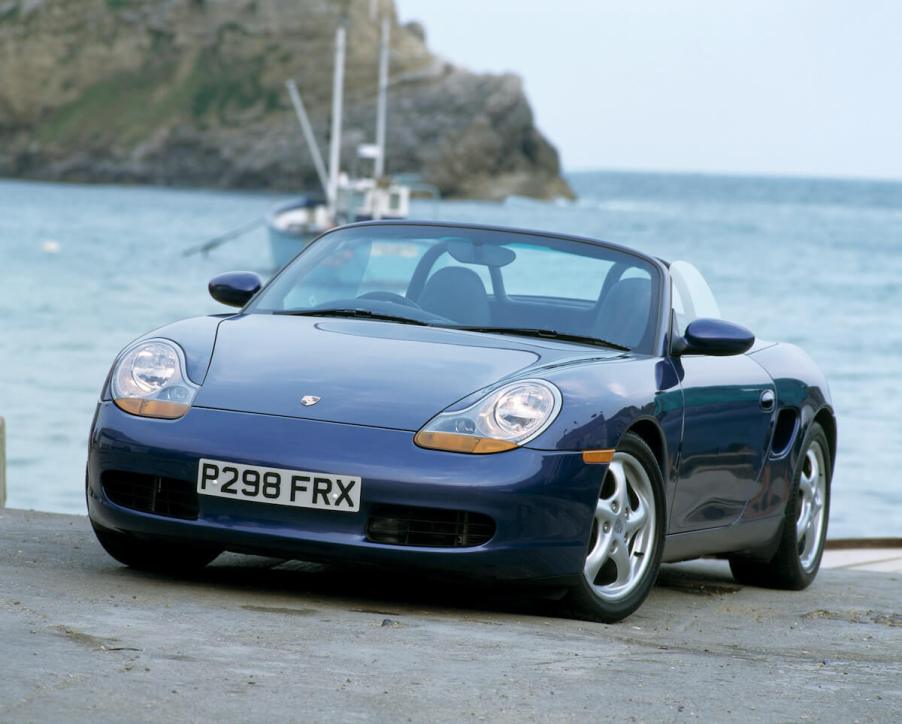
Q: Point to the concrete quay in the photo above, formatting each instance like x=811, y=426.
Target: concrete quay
x=260, y=639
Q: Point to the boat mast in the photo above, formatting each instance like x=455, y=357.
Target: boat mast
x=382, y=105
x=335, y=141
x=304, y=120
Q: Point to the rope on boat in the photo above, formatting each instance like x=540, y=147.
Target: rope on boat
x=223, y=238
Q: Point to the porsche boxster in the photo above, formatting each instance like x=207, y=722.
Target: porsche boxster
x=500, y=404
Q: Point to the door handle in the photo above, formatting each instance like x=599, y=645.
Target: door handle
x=767, y=400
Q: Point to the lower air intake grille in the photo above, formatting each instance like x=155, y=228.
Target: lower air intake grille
x=151, y=494
x=429, y=527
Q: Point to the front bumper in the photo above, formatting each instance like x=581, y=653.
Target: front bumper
x=542, y=502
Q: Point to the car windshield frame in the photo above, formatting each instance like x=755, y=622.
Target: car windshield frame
x=399, y=230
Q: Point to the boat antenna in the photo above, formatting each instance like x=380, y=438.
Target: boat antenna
x=335, y=141
x=303, y=119
x=382, y=105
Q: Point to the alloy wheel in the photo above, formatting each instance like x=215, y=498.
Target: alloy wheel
x=811, y=509
x=623, y=530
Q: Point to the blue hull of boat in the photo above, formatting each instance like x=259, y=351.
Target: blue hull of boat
x=284, y=246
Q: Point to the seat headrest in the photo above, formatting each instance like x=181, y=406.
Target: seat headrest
x=623, y=314
x=458, y=294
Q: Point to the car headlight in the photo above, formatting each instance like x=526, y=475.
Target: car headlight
x=150, y=380
x=502, y=420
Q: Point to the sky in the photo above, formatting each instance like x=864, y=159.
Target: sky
x=778, y=87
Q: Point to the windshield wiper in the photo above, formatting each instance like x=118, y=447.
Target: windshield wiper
x=546, y=334
x=351, y=313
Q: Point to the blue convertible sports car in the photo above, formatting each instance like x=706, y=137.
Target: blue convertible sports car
x=502, y=404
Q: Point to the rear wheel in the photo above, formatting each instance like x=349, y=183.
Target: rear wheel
x=623, y=553
x=798, y=558
x=156, y=556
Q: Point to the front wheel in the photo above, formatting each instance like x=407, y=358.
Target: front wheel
x=624, y=549
x=798, y=557
x=155, y=556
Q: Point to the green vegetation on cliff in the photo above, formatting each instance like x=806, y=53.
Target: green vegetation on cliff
x=192, y=92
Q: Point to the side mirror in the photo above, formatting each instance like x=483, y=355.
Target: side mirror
x=235, y=288
x=713, y=337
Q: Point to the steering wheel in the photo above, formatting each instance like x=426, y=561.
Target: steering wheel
x=390, y=297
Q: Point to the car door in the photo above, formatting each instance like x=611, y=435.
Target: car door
x=728, y=408
x=727, y=417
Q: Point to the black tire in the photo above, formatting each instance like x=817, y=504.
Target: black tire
x=152, y=555
x=581, y=600
x=785, y=569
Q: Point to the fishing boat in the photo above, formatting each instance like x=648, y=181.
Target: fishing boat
x=365, y=199
x=293, y=225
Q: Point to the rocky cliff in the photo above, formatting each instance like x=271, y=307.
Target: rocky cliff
x=191, y=92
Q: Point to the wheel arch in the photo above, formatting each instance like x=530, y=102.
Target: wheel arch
x=648, y=429
x=827, y=420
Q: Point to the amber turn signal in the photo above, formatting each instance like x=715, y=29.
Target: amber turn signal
x=453, y=442
x=596, y=457
x=162, y=409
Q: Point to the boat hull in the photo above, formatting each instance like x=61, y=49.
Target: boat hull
x=285, y=246
x=289, y=236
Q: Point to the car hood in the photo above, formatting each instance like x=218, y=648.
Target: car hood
x=379, y=374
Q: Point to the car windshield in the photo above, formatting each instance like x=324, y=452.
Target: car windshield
x=493, y=281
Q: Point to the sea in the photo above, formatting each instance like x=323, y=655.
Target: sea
x=85, y=269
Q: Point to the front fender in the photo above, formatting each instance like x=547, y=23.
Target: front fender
x=196, y=337
x=602, y=400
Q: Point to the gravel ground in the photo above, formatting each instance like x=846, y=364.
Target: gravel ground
x=253, y=639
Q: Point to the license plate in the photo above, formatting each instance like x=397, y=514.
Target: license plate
x=279, y=487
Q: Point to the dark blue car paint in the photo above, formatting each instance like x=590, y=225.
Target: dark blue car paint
x=542, y=524
x=381, y=381
x=196, y=336
x=363, y=377
x=715, y=337
x=800, y=386
x=725, y=439
x=235, y=289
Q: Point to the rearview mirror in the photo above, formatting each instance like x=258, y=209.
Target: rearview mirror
x=466, y=252
x=235, y=288
x=714, y=337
